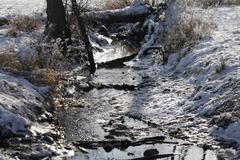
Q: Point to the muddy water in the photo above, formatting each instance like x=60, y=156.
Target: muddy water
x=109, y=124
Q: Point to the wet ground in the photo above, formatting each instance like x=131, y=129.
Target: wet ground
x=108, y=123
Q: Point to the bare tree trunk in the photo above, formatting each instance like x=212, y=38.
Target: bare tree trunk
x=85, y=37
x=56, y=22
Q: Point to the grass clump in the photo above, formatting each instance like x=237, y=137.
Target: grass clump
x=9, y=61
x=31, y=65
x=221, y=66
x=185, y=33
x=23, y=24
x=117, y=4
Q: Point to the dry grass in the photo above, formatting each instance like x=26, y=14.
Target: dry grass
x=221, y=66
x=24, y=24
x=9, y=60
x=39, y=71
x=185, y=33
x=183, y=29
x=12, y=61
x=117, y=4
x=46, y=76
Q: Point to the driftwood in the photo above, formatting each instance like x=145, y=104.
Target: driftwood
x=131, y=14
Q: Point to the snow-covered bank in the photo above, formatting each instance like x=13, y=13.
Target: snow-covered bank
x=12, y=124
x=22, y=43
x=21, y=7
x=17, y=95
x=200, y=94
x=18, y=99
x=24, y=107
x=17, y=92
x=213, y=68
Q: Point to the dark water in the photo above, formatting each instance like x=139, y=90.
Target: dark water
x=105, y=128
x=182, y=153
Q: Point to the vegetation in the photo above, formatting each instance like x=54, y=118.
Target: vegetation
x=23, y=24
x=185, y=33
x=116, y=4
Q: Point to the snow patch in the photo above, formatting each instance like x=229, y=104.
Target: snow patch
x=21, y=7
x=232, y=132
x=21, y=97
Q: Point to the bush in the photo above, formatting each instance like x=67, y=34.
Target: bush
x=185, y=33
x=182, y=29
x=39, y=68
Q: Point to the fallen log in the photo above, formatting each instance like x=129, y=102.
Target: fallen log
x=131, y=14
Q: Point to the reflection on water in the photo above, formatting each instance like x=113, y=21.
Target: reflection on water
x=114, y=53
x=180, y=153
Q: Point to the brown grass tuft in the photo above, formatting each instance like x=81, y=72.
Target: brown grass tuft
x=39, y=72
x=221, y=66
x=117, y=4
x=9, y=61
x=23, y=23
x=45, y=76
x=185, y=33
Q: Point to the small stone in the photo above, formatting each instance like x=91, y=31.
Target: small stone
x=166, y=91
x=108, y=147
x=206, y=147
x=130, y=154
x=48, y=139
x=150, y=152
x=103, y=30
x=3, y=21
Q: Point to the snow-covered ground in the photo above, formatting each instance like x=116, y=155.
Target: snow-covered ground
x=213, y=69
x=20, y=100
x=9, y=10
x=21, y=7
x=198, y=93
x=19, y=96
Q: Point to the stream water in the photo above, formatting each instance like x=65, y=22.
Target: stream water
x=109, y=125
